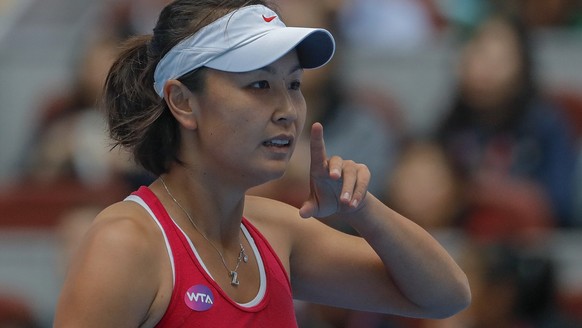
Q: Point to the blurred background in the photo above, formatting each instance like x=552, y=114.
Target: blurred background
x=468, y=113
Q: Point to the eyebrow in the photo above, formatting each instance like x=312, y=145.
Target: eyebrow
x=272, y=70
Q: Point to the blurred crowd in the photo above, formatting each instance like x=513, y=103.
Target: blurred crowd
x=501, y=169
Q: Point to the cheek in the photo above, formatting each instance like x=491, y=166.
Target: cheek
x=226, y=111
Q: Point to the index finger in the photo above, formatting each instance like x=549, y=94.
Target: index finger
x=317, y=147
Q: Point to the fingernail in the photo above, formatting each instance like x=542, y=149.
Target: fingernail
x=346, y=196
x=335, y=172
x=355, y=203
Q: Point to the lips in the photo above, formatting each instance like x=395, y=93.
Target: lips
x=279, y=142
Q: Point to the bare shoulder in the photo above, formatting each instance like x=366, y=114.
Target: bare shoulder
x=112, y=271
x=282, y=225
x=280, y=216
x=266, y=209
x=277, y=221
x=124, y=226
x=277, y=216
x=125, y=235
x=282, y=219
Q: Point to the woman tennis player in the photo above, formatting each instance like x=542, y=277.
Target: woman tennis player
x=211, y=104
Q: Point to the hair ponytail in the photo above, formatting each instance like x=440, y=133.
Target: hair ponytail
x=135, y=112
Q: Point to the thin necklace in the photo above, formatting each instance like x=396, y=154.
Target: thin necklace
x=242, y=256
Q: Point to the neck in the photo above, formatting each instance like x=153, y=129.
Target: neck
x=226, y=240
x=216, y=216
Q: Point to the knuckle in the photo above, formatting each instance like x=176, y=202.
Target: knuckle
x=363, y=166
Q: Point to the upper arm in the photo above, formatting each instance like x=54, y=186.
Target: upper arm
x=111, y=282
x=338, y=269
x=328, y=266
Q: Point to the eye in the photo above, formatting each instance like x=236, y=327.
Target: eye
x=296, y=85
x=260, y=85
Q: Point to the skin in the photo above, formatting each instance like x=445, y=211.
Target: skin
x=396, y=268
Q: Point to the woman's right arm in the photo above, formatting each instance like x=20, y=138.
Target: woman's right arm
x=111, y=281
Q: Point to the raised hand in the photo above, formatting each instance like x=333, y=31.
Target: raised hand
x=336, y=185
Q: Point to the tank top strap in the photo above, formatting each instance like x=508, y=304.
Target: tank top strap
x=271, y=259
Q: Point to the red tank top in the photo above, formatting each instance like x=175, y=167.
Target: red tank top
x=198, y=301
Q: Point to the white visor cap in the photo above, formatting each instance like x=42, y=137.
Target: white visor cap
x=245, y=40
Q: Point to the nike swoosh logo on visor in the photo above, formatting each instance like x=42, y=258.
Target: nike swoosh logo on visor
x=269, y=19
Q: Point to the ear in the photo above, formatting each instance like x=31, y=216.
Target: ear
x=182, y=103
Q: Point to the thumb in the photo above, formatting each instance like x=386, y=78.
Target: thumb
x=307, y=210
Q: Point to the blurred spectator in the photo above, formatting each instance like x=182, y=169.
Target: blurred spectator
x=510, y=147
x=423, y=186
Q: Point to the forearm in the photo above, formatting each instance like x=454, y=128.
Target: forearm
x=419, y=266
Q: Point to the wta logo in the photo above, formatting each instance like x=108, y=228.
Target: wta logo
x=199, y=298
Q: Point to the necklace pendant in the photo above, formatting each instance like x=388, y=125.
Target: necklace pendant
x=243, y=255
x=234, y=278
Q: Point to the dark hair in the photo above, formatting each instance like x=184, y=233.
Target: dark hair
x=138, y=119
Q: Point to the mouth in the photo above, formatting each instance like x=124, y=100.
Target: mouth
x=279, y=142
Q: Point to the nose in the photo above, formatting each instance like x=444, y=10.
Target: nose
x=287, y=109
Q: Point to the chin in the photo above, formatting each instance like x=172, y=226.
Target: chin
x=268, y=176
x=261, y=172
